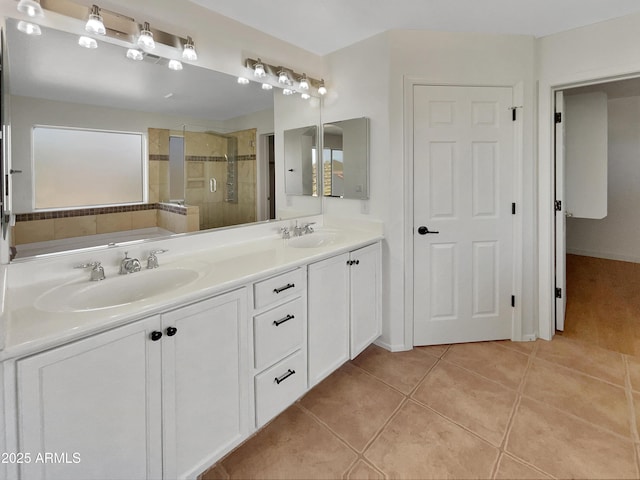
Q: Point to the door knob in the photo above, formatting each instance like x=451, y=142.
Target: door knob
x=424, y=230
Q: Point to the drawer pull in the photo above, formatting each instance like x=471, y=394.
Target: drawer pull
x=282, y=320
x=286, y=287
x=282, y=378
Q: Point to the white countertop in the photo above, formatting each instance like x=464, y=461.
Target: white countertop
x=29, y=329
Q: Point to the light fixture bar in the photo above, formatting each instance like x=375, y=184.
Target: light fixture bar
x=276, y=70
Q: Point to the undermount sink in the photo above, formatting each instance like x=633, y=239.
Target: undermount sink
x=117, y=291
x=314, y=240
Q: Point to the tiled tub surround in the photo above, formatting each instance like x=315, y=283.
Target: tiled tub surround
x=62, y=224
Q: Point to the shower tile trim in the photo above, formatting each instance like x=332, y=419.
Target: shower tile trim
x=81, y=212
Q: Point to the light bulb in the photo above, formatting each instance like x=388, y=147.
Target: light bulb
x=95, y=24
x=243, y=81
x=87, y=42
x=304, y=82
x=283, y=77
x=175, y=65
x=322, y=90
x=145, y=40
x=31, y=8
x=189, y=51
x=134, y=54
x=29, y=28
x=267, y=86
x=258, y=70
x=305, y=96
x=287, y=91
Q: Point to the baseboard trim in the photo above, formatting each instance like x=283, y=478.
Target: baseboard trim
x=605, y=255
x=391, y=348
x=532, y=337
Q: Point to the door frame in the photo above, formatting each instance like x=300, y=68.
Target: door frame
x=547, y=193
x=518, y=154
x=546, y=188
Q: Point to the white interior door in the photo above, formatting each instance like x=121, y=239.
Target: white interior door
x=463, y=222
x=561, y=220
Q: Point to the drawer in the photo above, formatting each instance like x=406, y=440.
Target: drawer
x=283, y=286
x=278, y=387
x=278, y=332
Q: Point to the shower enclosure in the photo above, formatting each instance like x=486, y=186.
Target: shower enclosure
x=213, y=171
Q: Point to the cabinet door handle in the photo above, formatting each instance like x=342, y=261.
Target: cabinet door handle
x=357, y=262
x=155, y=335
x=282, y=378
x=286, y=287
x=171, y=331
x=282, y=320
x=349, y=262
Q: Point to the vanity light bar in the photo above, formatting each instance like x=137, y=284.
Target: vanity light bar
x=279, y=71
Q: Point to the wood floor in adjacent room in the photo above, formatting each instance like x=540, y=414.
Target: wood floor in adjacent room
x=603, y=303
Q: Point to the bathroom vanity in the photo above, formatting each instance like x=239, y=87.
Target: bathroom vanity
x=161, y=384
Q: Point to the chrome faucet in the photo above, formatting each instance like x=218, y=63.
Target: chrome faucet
x=129, y=265
x=97, y=270
x=152, y=261
x=306, y=228
x=297, y=230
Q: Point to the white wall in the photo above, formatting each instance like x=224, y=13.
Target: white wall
x=605, y=50
x=368, y=79
x=615, y=236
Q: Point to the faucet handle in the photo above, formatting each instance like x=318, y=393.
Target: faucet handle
x=285, y=232
x=152, y=260
x=306, y=228
x=97, y=270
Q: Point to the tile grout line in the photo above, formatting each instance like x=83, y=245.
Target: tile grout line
x=503, y=444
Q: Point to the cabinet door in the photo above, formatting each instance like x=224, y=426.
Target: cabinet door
x=95, y=404
x=204, y=378
x=366, y=289
x=328, y=316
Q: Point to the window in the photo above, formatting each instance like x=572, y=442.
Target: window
x=76, y=168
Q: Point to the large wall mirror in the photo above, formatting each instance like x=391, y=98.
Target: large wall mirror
x=213, y=150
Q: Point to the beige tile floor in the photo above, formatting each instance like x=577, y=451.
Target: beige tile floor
x=560, y=409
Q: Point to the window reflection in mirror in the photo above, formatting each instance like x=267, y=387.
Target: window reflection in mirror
x=345, y=159
x=53, y=82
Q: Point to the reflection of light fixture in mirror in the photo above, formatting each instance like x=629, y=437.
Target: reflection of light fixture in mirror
x=175, y=65
x=305, y=96
x=322, y=90
x=243, y=81
x=87, y=42
x=94, y=24
x=287, y=91
x=189, y=51
x=29, y=28
x=283, y=77
x=145, y=40
x=134, y=54
x=258, y=70
x=31, y=8
x=304, y=82
x=267, y=86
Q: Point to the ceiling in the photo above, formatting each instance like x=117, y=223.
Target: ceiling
x=323, y=26
x=54, y=67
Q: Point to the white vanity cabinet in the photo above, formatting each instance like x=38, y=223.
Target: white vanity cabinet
x=344, y=314
x=159, y=398
x=279, y=329
x=96, y=403
x=204, y=383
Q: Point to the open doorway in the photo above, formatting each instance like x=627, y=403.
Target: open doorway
x=598, y=219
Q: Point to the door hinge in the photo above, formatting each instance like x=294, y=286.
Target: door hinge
x=558, y=293
x=558, y=117
x=513, y=300
x=513, y=208
x=557, y=205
